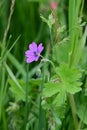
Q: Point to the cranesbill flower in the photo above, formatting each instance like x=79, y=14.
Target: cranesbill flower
x=34, y=52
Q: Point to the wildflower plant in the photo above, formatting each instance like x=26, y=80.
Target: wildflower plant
x=65, y=82
x=52, y=93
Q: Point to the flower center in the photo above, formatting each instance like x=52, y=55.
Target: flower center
x=36, y=53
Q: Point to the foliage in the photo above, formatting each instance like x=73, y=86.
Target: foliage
x=52, y=92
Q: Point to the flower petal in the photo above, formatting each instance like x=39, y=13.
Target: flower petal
x=29, y=53
x=36, y=58
x=33, y=47
x=29, y=60
x=40, y=48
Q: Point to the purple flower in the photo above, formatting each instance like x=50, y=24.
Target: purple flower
x=33, y=53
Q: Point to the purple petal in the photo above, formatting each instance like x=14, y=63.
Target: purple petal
x=36, y=58
x=30, y=56
x=29, y=60
x=40, y=48
x=27, y=53
x=33, y=47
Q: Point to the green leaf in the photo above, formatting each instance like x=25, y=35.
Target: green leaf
x=51, y=89
x=81, y=106
x=82, y=112
x=83, y=61
x=17, y=65
x=60, y=99
x=68, y=74
x=61, y=29
x=79, y=50
x=7, y=52
x=60, y=53
x=74, y=88
x=58, y=121
x=50, y=21
x=13, y=77
x=16, y=92
x=69, y=78
x=66, y=80
x=35, y=82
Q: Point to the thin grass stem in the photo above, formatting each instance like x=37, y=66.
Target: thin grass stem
x=26, y=97
x=9, y=20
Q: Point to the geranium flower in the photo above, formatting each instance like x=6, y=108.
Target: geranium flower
x=34, y=52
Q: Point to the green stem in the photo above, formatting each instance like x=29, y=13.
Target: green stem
x=47, y=60
x=26, y=98
x=73, y=109
x=51, y=39
x=2, y=84
x=4, y=119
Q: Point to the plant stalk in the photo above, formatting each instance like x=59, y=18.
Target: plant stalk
x=73, y=109
x=26, y=98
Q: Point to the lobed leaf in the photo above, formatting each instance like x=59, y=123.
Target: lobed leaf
x=51, y=89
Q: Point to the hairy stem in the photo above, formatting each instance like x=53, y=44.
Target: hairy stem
x=73, y=109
